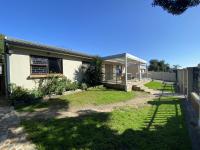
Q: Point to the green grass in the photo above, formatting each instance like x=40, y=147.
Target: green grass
x=94, y=96
x=160, y=86
x=159, y=126
x=98, y=96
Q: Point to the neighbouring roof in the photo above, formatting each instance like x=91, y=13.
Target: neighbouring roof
x=23, y=43
x=120, y=58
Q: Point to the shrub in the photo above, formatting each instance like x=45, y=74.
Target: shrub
x=68, y=85
x=52, y=85
x=20, y=95
x=72, y=86
x=84, y=86
x=93, y=75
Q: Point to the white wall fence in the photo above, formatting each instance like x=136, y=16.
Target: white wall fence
x=166, y=76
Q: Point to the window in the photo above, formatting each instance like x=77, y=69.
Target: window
x=55, y=65
x=45, y=65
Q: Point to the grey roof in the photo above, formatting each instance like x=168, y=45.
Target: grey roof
x=24, y=43
x=121, y=58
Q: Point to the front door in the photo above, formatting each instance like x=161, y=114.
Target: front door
x=108, y=72
x=2, y=81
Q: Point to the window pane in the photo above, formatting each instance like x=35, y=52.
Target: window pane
x=55, y=65
x=39, y=61
x=39, y=69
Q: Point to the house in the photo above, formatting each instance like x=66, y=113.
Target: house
x=24, y=63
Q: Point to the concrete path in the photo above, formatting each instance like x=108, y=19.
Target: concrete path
x=12, y=137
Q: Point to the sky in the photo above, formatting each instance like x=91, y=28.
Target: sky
x=106, y=27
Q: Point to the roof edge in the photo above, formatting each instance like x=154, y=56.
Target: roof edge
x=23, y=43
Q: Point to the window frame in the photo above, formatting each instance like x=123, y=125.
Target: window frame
x=47, y=65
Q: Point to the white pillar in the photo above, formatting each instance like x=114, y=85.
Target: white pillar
x=125, y=70
x=147, y=70
x=140, y=74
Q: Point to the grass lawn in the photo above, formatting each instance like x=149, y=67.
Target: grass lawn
x=158, y=126
x=98, y=96
x=94, y=96
x=160, y=86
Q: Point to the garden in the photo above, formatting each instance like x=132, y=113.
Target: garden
x=158, y=123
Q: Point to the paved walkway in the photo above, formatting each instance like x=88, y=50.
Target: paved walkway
x=12, y=137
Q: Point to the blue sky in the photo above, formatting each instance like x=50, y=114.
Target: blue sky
x=106, y=27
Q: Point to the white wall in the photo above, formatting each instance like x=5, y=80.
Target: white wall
x=167, y=76
x=19, y=69
x=71, y=68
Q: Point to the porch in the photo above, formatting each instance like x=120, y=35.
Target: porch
x=123, y=70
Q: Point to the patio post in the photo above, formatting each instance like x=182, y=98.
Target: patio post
x=147, y=70
x=139, y=71
x=125, y=70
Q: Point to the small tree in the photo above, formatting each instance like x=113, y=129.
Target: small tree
x=93, y=75
x=156, y=65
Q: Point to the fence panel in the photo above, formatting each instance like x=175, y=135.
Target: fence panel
x=165, y=76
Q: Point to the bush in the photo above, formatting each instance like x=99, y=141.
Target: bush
x=52, y=85
x=20, y=95
x=71, y=85
x=84, y=86
x=93, y=75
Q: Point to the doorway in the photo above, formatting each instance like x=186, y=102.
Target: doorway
x=108, y=72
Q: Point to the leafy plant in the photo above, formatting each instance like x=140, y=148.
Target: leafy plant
x=93, y=75
x=52, y=85
x=71, y=85
x=20, y=95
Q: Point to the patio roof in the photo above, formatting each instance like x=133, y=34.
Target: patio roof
x=120, y=58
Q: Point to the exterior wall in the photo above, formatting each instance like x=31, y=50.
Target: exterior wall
x=19, y=68
x=166, y=76
x=20, y=71
x=71, y=69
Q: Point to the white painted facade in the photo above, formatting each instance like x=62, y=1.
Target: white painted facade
x=20, y=69
x=70, y=67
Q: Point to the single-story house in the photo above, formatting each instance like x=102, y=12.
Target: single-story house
x=24, y=63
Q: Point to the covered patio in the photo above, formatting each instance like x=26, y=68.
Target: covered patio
x=124, y=69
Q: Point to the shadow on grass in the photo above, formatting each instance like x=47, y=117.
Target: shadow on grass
x=92, y=131
x=44, y=109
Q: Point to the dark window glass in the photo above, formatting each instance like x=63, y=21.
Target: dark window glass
x=44, y=65
x=55, y=65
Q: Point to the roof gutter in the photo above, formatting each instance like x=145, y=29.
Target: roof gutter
x=42, y=48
